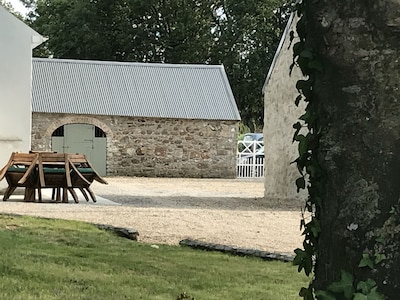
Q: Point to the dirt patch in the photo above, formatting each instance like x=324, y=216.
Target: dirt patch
x=167, y=210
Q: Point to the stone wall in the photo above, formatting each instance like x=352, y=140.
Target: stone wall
x=154, y=147
x=279, y=116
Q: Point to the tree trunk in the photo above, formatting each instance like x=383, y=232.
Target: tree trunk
x=360, y=148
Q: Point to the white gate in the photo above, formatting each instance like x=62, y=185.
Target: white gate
x=250, y=159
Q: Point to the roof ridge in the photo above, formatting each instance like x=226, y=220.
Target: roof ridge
x=124, y=63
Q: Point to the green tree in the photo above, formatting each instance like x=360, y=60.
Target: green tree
x=242, y=35
x=134, y=30
x=248, y=33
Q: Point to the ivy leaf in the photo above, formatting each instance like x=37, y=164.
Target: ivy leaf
x=300, y=137
x=365, y=287
x=291, y=35
x=303, y=260
x=306, y=116
x=302, y=146
x=300, y=183
x=306, y=293
x=301, y=28
x=379, y=257
x=298, y=127
x=315, y=227
x=297, y=101
x=299, y=255
x=344, y=286
x=372, y=295
x=366, y=261
x=297, y=48
x=324, y=295
x=299, y=258
x=302, y=224
x=299, y=165
x=304, y=86
x=302, y=62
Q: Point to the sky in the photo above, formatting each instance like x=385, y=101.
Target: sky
x=18, y=6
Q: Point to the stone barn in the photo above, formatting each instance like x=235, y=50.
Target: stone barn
x=280, y=114
x=137, y=119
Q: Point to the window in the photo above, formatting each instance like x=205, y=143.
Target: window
x=98, y=132
x=59, y=131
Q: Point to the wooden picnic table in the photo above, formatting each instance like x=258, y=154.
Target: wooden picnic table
x=63, y=172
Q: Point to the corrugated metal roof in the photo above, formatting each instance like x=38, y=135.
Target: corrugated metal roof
x=132, y=89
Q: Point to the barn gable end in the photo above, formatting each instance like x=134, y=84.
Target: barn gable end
x=280, y=113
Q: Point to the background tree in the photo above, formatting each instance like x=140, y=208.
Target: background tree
x=241, y=35
x=357, y=209
x=248, y=33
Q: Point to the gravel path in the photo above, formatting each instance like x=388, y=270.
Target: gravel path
x=167, y=210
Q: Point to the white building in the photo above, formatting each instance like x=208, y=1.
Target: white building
x=16, y=43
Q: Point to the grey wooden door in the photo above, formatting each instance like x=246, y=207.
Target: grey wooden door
x=81, y=138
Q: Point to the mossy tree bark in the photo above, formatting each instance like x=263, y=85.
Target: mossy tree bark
x=359, y=42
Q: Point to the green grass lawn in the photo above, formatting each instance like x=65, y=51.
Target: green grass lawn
x=57, y=259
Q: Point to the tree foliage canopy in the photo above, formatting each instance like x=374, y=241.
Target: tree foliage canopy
x=241, y=35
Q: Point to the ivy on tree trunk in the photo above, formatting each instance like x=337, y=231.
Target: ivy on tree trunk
x=358, y=42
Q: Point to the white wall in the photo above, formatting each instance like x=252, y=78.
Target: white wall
x=16, y=43
x=279, y=116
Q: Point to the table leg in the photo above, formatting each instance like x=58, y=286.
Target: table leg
x=74, y=195
x=84, y=194
x=29, y=194
x=65, y=195
x=58, y=194
x=8, y=192
x=91, y=194
x=39, y=194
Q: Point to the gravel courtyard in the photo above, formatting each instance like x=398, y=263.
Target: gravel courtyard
x=167, y=210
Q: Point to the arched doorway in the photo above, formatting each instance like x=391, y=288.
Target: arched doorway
x=85, y=139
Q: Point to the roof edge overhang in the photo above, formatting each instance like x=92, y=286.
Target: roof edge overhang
x=131, y=116
x=278, y=51
x=36, y=38
x=146, y=64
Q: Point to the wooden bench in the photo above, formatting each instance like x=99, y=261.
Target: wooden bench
x=83, y=174
x=20, y=171
x=61, y=172
x=53, y=169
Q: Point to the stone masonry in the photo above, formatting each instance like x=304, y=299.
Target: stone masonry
x=152, y=147
x=279, y=116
